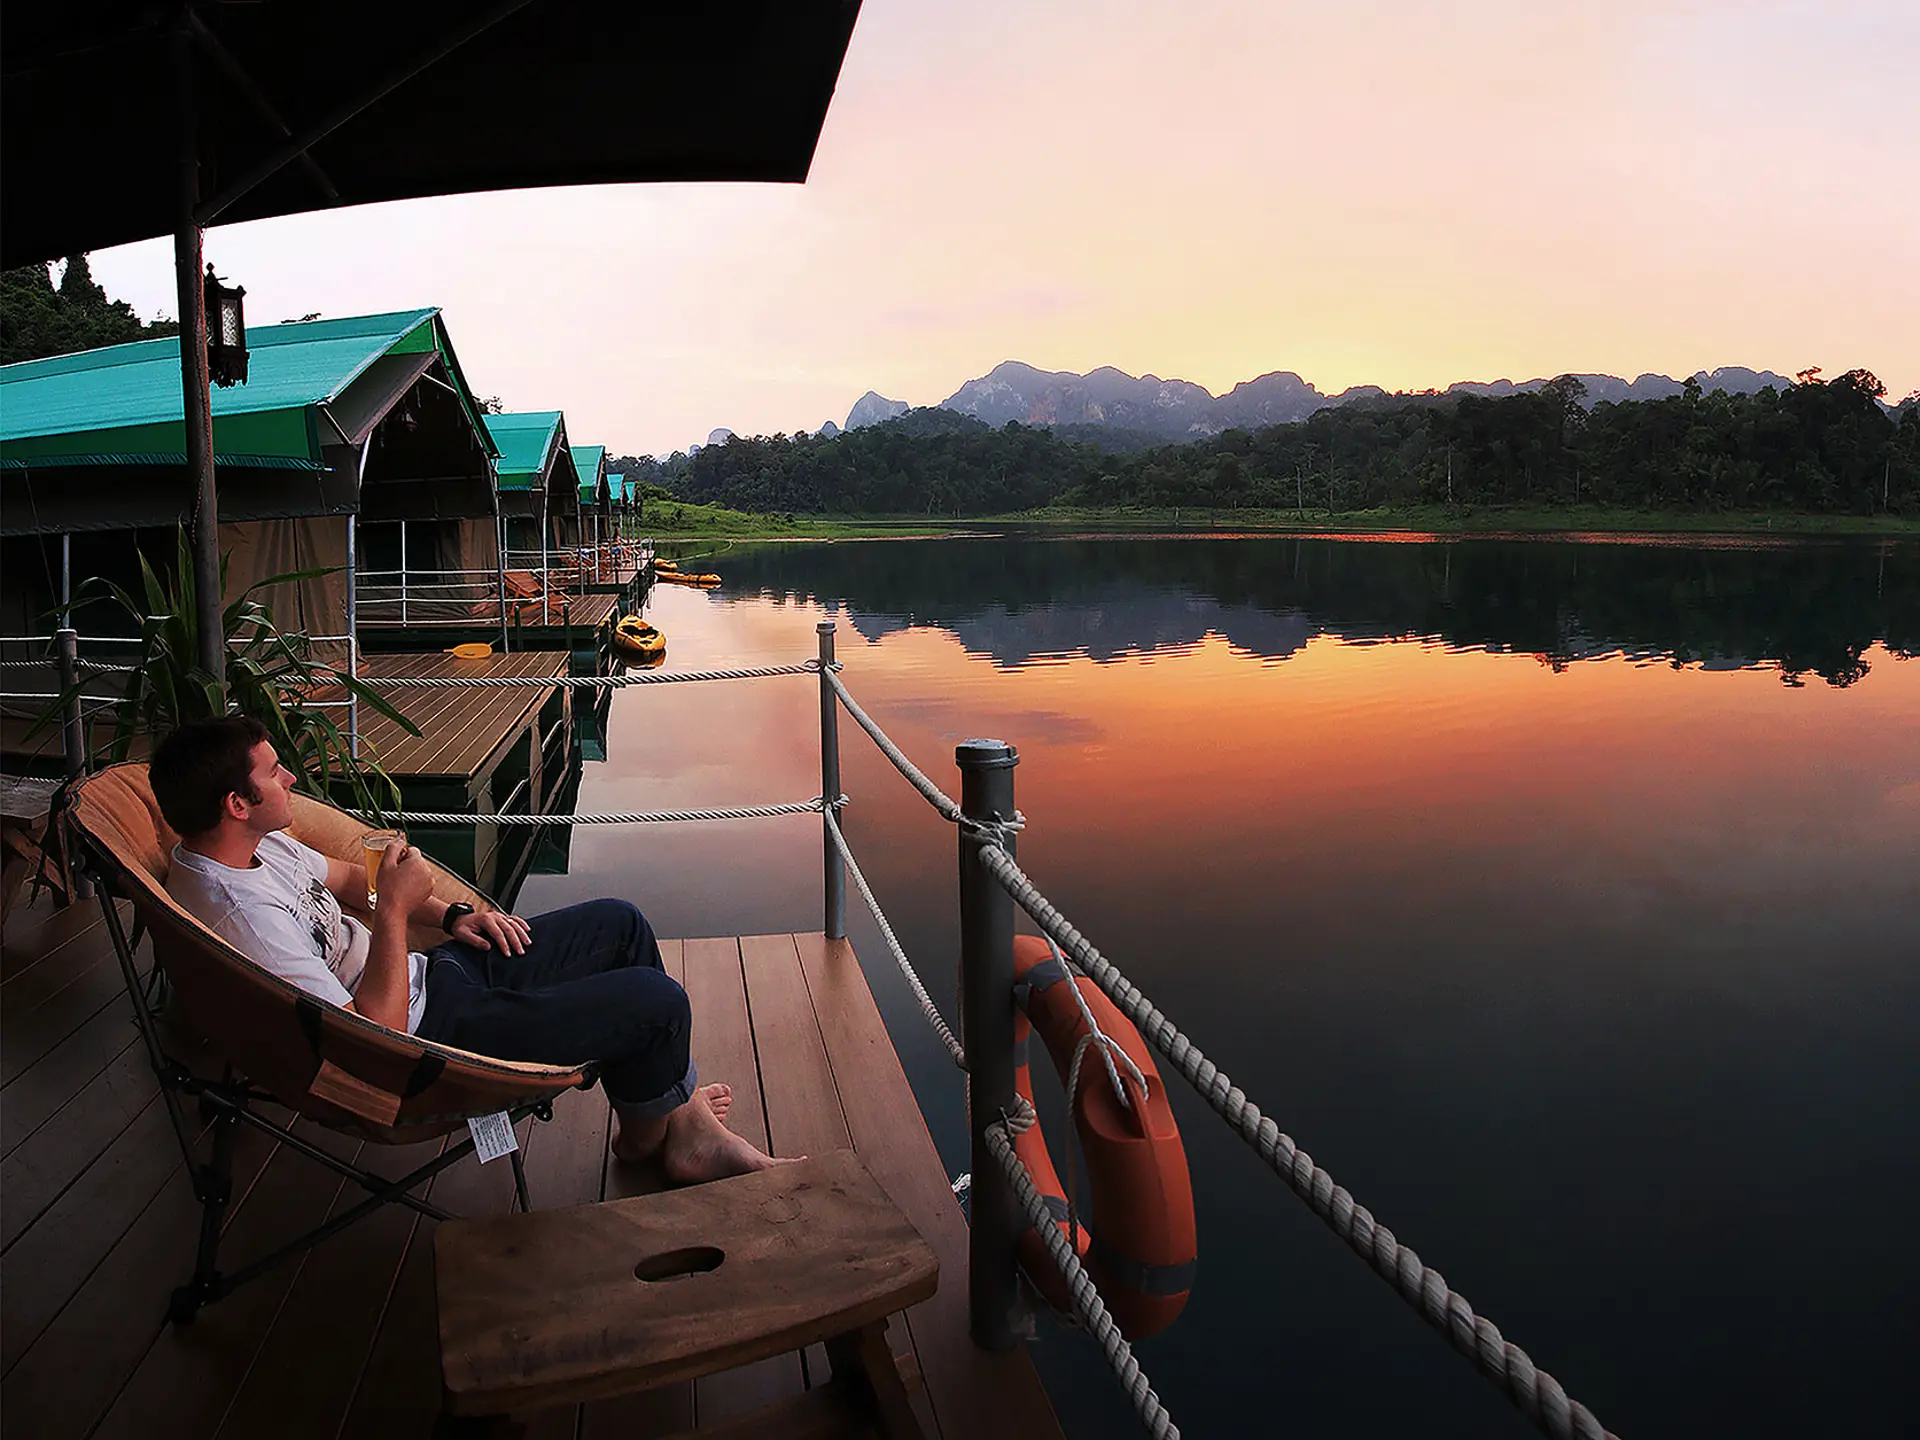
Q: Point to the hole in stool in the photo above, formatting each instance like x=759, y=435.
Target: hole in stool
x=679, y=1264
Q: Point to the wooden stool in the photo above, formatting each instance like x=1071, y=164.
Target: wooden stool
x=562, y=1306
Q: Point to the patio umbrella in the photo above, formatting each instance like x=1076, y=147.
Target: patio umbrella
x=122, y=121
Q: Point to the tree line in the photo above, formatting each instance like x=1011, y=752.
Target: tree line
x=1827, y=446
x=39, y=319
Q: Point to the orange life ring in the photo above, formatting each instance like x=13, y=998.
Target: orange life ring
x=1143, y=1256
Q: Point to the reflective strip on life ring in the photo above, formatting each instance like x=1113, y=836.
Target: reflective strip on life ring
x=1140, y=1193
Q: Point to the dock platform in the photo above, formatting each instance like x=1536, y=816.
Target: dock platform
x=579, y=625
x=99, y=1219
x=485, y=750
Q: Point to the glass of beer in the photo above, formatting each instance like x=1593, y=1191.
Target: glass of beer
x=376, y=843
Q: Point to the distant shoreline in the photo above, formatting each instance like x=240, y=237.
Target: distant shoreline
x=1584, y=523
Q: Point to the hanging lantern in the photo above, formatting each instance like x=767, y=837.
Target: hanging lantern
x=226, y=332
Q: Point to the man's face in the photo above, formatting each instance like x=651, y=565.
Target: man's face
x=273, y=783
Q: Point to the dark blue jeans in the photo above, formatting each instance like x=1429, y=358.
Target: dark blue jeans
x=589, y=988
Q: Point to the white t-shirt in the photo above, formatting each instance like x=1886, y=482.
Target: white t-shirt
x=280, y=915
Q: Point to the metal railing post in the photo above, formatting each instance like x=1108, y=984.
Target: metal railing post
x=835, y=872
x=353, y=633
x=403, y=572
x=73, y=733
x=986, y=1016
x=500, y=573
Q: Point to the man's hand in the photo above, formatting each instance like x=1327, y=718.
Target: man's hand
x=494, y=929
x=405, y=880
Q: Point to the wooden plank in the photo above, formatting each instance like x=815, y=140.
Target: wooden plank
x=469, y=735
x=64, y=1072
x=566, y=1163
x=39, y=1169
x=65, y=1381
x=804, y=1109
x=973, y=1392
x=36, y=984
x=186, y=1380
x=302, y=1379
x=40, y=930
x=543, y=1307
x=42, y=1271
x=803, y=1104
x=398, y=1395
x=722, y=1048
x=726, y=1048
x=34, y=1032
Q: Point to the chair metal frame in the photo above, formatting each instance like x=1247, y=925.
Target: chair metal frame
x=230, y=1102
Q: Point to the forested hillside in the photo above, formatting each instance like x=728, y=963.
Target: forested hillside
x=37, y=319
x=1818, y=446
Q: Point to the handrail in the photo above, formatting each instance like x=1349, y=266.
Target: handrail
x=624, y=817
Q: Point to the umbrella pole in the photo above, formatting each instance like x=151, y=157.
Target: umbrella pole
x=197, y=404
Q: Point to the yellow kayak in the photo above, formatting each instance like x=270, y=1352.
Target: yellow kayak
x=674, y=577
x=635, y=639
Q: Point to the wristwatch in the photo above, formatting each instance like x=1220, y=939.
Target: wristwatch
x=456, y=912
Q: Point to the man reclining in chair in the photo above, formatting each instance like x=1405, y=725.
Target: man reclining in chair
x=581, y=984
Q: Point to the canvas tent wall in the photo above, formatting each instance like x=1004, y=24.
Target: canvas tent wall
x=340, y=421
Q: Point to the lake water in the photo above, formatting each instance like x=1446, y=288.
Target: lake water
x=1562, y=899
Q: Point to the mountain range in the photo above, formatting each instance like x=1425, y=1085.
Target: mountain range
x=1148, y=407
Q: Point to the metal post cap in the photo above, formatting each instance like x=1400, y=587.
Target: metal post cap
x=824, y=627
x=985, y=754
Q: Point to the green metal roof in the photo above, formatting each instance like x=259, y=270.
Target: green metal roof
x=526, y=439
x=616, y=486
x=121, y=405
x=590, y=464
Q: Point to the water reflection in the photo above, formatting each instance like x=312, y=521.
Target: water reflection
x=1806, y=609
x=1598, y=986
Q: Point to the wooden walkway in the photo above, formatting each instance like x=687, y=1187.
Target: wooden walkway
x=98, y=1219
x=464, y=732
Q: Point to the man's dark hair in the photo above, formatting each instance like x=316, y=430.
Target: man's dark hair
x=199, y=765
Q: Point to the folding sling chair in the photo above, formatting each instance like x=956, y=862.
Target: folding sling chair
x=275, y=1043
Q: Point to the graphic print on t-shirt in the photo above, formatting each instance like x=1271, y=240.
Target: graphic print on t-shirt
x=320, y=913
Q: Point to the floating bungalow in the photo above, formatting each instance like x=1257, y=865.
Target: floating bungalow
x=355, y=449
x=540, y=510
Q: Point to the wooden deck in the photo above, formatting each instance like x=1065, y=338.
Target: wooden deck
x=463, y=731
x=98, y=1219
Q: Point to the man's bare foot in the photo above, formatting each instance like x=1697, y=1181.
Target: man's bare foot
x=640, y=1141
x=700, y=1148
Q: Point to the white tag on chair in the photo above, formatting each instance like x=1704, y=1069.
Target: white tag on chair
x=492, y=1136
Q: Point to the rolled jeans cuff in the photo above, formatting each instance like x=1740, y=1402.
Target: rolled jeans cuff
x=664, y=1104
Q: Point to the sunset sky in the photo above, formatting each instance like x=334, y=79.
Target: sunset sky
x=1404, y=194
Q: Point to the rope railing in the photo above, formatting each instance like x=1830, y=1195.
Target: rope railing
x=948, y=807
x=622, y=817
x=1089, y=1308
x=927, y=1007
x=1539, y=1396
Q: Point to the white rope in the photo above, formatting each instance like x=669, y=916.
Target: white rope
x=625, y=817
x=916, y=777
x=1087, y=1303
x=1108, y=1049
x=1539, y=1396
x=927, y=1007
x=584, y=682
